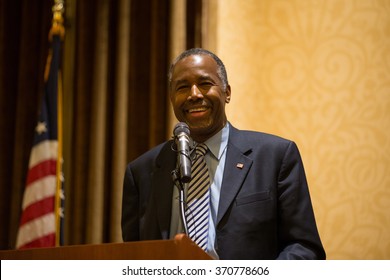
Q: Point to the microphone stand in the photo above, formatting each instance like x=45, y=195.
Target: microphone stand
x=180, y=187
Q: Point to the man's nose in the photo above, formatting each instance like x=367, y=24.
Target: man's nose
x=195, y=93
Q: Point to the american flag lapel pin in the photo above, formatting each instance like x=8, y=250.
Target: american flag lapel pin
x=240, y=165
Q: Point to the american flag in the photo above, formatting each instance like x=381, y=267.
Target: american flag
x=42, y=208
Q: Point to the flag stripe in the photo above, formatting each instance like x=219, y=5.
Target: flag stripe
x=43, y=241
x=38, y=190
x=36, y=229
x=44, y=150
x=38, y=209
x=41, y=170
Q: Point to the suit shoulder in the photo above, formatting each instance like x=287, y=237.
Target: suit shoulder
x=257, y=136
x=255, y=141
x=150, y=155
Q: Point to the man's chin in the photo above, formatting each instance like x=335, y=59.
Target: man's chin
x=198, y=127
x=199, y=130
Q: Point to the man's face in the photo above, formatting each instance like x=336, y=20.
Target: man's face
x=197, y=96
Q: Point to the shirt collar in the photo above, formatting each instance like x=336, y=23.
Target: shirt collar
x=218, y=142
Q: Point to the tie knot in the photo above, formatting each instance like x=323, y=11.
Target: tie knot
x=201, y=149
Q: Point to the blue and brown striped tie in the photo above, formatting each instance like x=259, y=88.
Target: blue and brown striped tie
x=198, y=197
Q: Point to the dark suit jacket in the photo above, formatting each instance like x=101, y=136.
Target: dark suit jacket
x=265, y=211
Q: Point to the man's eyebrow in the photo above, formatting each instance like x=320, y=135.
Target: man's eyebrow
x=200, y=79
x=205, y=77
x=176, y=82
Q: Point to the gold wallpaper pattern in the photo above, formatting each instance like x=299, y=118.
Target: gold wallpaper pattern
x=318, y=72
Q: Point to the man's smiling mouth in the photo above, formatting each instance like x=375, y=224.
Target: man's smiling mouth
x=196, y=110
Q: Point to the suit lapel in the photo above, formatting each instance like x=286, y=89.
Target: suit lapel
x=162, y=185
x=237, y=166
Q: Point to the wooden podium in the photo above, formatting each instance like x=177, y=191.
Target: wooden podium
x=180, y=248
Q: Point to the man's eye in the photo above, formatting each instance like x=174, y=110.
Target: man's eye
x=181, y=88
x=206, y=85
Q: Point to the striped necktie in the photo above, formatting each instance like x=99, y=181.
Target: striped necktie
x=197, y=212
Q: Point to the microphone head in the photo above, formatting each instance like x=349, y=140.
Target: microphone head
x=181, y=127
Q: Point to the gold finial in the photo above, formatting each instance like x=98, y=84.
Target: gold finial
x=57, y=27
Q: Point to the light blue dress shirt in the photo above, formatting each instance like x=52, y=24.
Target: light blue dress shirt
x=215, y=160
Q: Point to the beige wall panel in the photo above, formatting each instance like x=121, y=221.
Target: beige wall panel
x=318, y=72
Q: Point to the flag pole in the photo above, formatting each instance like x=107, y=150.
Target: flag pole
x=42, y=207
x=57, y=29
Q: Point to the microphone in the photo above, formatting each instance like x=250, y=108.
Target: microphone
x=182, y=137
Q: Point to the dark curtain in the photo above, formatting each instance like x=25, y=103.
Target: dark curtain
x=92, y=95
x=24, y=27
x=146, y=104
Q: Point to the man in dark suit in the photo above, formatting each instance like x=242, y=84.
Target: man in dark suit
x=260, y=206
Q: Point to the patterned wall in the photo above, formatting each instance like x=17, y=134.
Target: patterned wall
x=318, y=72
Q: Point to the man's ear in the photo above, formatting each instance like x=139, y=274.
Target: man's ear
x=228, y=94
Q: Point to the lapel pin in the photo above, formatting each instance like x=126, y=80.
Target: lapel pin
x=240, y=165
